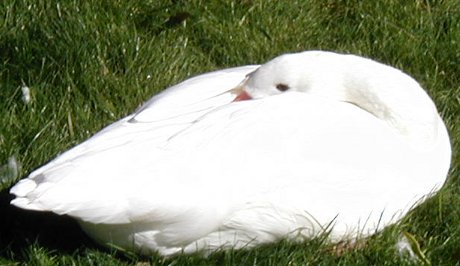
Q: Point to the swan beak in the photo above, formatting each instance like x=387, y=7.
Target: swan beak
x=242, y=96
x=241, y=93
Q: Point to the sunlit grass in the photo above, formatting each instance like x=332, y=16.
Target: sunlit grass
x=88, y=63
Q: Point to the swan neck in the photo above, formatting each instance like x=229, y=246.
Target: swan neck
x=400, y=102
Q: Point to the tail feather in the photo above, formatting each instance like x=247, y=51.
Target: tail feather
x=23, y=187
x=25, y=203
x=21, y=190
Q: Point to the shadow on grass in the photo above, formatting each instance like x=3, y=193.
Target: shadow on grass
x=19, y=229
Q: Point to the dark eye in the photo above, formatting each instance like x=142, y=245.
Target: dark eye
x=282, y=87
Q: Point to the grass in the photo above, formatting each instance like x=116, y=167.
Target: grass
x=88, y=63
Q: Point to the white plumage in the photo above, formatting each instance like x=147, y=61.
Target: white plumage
x=326, y=141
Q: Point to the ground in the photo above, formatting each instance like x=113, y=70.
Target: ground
x=84, y=64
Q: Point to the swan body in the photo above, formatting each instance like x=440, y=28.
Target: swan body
x=314, y=142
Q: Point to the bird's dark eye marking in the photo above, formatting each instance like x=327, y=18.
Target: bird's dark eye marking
x=282, y=87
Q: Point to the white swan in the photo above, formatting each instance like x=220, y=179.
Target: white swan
x=307, y=142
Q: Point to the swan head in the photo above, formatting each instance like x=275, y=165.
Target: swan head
x=383, y=91
x=307, y=72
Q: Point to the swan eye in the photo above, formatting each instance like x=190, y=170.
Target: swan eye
x=282, y=87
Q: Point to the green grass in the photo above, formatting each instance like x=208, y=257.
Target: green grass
x=88, y=64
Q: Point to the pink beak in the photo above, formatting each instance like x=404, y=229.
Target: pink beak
x=242, y=96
